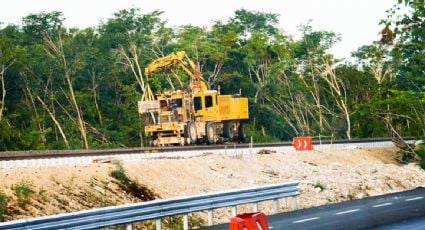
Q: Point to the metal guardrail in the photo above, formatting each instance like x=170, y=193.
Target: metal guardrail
x=157, y=209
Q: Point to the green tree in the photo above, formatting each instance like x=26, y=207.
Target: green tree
x=405, y=96
x=410, y=44
x=38, y=26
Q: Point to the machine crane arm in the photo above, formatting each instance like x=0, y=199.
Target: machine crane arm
x=198, y=83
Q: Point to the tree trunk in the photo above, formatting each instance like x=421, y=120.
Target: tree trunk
x=133, y=62
x=55, y=121
x=338, y=92
x=3, y=91
x=3, y=69
x=94, y=87
x=58, y=52
x=77, y=109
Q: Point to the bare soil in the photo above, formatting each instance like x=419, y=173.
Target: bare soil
x=329, y=176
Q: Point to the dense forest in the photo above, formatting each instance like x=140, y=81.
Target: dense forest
x=69, y=88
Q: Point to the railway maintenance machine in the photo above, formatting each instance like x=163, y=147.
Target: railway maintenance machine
x=193, y=115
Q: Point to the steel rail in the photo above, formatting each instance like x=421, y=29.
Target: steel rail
x=33, y=154
x=19, y=159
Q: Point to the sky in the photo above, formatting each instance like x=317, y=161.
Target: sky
x=357, y=21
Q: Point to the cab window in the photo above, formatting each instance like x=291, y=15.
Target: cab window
x=208, y=101
x=163, y=105
x=197, y=101
x=176, y=103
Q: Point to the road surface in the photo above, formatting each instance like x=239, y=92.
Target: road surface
x=402, y=210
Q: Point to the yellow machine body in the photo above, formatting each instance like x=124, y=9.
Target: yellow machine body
x=194, y=115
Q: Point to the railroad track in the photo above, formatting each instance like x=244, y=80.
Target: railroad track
x=22, y=159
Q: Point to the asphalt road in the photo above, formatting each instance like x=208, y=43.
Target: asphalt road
x=402, y=210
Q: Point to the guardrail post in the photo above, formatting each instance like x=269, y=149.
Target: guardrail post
x=234, y=211
x=250, y=148
x=294, y=204
x=255, y=207
x=276, y=205
x=210, y=217
x=128, y=227
x=186, y=221
x=158, y=224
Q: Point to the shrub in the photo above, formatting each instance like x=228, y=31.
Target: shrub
x=422, y=164
x=3, y=204
x=119, y=173
x=23, y=191
x=420, y=150
x=176, y=222
x=320, y=186
x=257, y=135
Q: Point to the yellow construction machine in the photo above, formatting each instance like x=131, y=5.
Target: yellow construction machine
x=193, y=115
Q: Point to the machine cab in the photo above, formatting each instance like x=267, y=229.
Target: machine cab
x=205, y=105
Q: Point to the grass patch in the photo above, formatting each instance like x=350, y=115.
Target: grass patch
x=119, y=173
x=420, y=150
x=43, y=195
x=3, y=204
x=320, y=186
x=23, y=191
x=176, y=222
x=131, y=186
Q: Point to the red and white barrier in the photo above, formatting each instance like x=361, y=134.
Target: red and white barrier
x=302, y=143
x=249, y=221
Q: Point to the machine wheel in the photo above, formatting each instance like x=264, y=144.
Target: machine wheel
x=241, y=133
x=190, y=132
x=228, y=130
x=153, y=140
x=210, y=132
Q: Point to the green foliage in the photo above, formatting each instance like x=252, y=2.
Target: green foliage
x=408, y=50
x=314, y=44
x=13, y=139
x=422, y=164
x=119, y=173
x=420, y=150
x=373, y=127
x=284, y=78
x=254, y=21
x=131, y=186
x=23, y=191
x=174, y=222
x=320, y=186
x=258, y=136
x=42, y=194
x=3, y=204
x=39, y=25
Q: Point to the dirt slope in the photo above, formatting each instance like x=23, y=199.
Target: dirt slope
x=325, y=176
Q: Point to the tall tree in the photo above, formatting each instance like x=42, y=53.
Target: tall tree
x=410, y=45
x=311, y=55
x=8, y=55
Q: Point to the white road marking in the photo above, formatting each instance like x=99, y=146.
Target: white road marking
x=382, y=205
x=305, y=220
x=348, y=211
x=270, y=227
x=414, y=198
